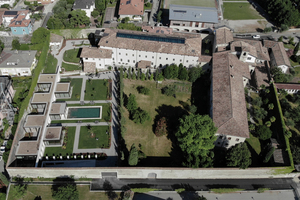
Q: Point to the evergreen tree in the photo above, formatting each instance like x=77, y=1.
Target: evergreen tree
x=167, y=72
x=147, y=75
x=143, y=77
x=133, y=158
x=129, y=73
x=133, y=74
x=131, y=103
x=239, y=156
x=151, y=77
x=183, y=74
x=138, y=76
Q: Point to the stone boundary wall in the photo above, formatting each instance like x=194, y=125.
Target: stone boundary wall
x=143, y=173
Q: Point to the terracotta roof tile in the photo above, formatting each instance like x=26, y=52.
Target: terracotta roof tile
x=223, y=36
x=291, y=86
x=279, y=52
x=94, y=52
x=228, y=99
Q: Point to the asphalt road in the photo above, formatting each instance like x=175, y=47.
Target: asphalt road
x=198, y=185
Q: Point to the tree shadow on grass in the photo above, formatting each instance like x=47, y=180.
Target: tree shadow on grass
x=109, y=191
x=172, y=115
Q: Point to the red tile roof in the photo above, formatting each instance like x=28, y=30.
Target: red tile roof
x=19, y=20
x=131, y=7
x=229, y=111
x=289, y=86
x=279, y=52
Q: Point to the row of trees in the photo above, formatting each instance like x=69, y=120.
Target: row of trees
x=65, y=18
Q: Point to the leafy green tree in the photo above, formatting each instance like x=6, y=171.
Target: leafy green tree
x=260, y=113
x=169, y=90
x=19, y=190
x=15, y=44
x=143, y=90
x=139, y=116
x=193, y=109
x=263, y=132
x=195, y=73
x=5, y=6
x=196, y=137
x=143, y=77
x=267, y=29
x=257, y=101
x=174, y=71
x=95, y=13
x=39, y=35
x=251, y=127
x=296, y=49
x=133, y=158
x=239, y=156
x=280, y=39
x=295, y=153
x=129, y=73
x=151, y=77
x=288, y=134
x=160, y=76
x=133, y=75
x=167, y=72
x=126, y=20
x=4, y=179
x=271, y=106
x=279, y=76
x=290, y=122
x=100, y=5
x=55, y=23
x=78, y=17
x=131, y=104
x=183, y=74
x=268, y=123
x=284, y=27
x=66, y=192
x=159, y=16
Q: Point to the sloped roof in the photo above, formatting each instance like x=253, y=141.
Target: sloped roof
x=289, y=86
x=131, y=7
x=229, y=111
x=190, y=44
x=94, y=52
x=193, y=13
x=19, y=20
x=279, y=52
x=23, y=59
x=83, y=4
x=223, y=36
x=55, y=38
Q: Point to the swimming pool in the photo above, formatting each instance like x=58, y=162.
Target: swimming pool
x=84, y=112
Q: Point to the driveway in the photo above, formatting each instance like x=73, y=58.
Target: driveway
x=154, y=11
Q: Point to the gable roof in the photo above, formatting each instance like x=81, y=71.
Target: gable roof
x=180, y=44
x=23, y=59
x=20, y=20
x=131, y=7
x=279, y=52
x=223, y=36
x=193, y=13
x=94, y=52
x=55, y=38
x=83, y=4
x=229, y=111
x=289, y=86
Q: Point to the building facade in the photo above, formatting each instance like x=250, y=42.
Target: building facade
x=134, y=9
x=86, y=5
x=21, y=24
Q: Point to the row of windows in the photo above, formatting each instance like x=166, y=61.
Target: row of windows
x=229, y=138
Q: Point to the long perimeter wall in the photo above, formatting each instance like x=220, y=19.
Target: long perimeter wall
x=160, y=173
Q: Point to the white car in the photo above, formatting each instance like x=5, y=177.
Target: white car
x=2, y=149
x=256, y=36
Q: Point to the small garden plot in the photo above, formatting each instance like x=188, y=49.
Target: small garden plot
x=70, y=67
x=67, y=148
x=72, y=55
x=92, y=137
x=96, y=90
x=240, y=11
x=50, y=64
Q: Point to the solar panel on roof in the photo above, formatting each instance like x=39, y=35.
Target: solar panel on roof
x=151, y=38
x=10, y=12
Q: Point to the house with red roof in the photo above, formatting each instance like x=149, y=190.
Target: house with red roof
x=21, y=24
x=134, y=9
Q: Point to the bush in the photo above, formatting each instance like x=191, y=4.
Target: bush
x=169, y=90
x=144, y=190
x=263, y=132
x=180, y=190
x=15, y=44
x=133, y=156
x=269, y=154
x=267, y=29
x=143, y=90
x=139, y=116
x=193, y=109
x=284, y=27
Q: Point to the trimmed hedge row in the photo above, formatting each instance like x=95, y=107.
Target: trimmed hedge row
x=287, y=142
x=36, y=72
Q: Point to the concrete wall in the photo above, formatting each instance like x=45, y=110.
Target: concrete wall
x=142, y=173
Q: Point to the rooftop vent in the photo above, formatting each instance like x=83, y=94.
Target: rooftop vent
x=231, y=66
x=232, y=76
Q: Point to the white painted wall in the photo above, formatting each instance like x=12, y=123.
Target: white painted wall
x=250, y=59
x=228, y=141
x=283, y=68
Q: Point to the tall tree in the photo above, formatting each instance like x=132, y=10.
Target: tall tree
x=239, y=156
x=195, y=73
x=39, y=35
x=15, y=44
x=78, y=17
x=263, y=132
x=131, y=104
x=196, y=137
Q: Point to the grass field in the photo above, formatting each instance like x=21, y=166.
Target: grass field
x=255, y=144
x=96, y=90
x=44, y=191
x=76, y=83
x=202, y=3
x=88, y=142
x=72, y=55
x=50, y=64
x=58, y=150
x=155, y=103
x=69, y=67
x=240, y=11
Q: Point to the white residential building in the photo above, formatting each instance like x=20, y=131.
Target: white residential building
x=9, y=2
x=86, y=5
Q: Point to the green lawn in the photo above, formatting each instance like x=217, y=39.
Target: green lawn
x=72, y=55
x=154, y=103
x=106, y=114
x=76, y=83
x=111, y=5
x=288, y=46
x=96, y=89
x=240, y=11
x=148, y=8
x=58, y=150
x=297, y=69
x=44, y=191
x=50, y=64
x=255, y=144
x=86, y=141
x=202, y=3
x=70, y=67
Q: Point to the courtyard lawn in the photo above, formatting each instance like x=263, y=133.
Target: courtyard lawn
x=69, y=67
x=87, y=141
x=254, y=143
x=44, y=191
x=155, y=103
x=240, y=11
x=96, y=89
x=76, y=83
x=202, y=3
x=58, y=150
x=72, y=55
x=50, y=64
x=297, y=69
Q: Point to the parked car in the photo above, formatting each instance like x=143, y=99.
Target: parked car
x=2, y=149
x=256, y=36
x=5, y=143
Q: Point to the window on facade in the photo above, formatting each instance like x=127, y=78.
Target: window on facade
x=159, y=57
x=119, y=53
x=180, y=60
x=128, y=60
x=113, y=58
x=23, y=30
x=121, y=59
x=229, y=138
x=249, y=58
x=86, y=58
x=173, y=59
x=196, y=25
x=145, y=56
x=175, y=24
x=133, y=61
x=166, y=58
x=152, y=63
x=132, y=54
x=218, y=142
x=237, y=140
x=15, y=30
x=152, y=56
x=126, y=54
x=139, y=55
x=187, y=61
